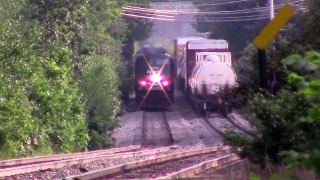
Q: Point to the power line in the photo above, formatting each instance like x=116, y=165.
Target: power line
x=228, y=19
x=222, y=3
x=208, y=4
x=221, y=20
x=217, y=17
x=235, y=12
x=186, y=20
x=150, y=10
x=156, y=14
x=232, y=20
x=147, y=17
x=148, y=13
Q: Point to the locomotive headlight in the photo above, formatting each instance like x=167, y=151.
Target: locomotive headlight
x=143, y=83
x=155, y=78
x=165, y=83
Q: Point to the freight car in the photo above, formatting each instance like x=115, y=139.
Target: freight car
x=154, y=72
x=179, y=51
x=208, y=70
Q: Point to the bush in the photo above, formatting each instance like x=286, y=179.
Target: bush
x=99, y=84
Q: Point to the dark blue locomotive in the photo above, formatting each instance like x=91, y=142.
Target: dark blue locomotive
x=154, y=72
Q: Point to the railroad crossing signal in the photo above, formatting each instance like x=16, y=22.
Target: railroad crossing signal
x=273, y=27
x=266, y=36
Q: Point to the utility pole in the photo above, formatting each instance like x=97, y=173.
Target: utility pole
x=271, y=9
x=269, y=32
x=263, y=57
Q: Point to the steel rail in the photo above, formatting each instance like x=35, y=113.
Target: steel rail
x=230, y=120
x=59, y=164
x=201, y=167
x=142, y=163
x=164, y=121
x=212, y=126
x=57, y=157
x=238, y=126
x=168, y=127
x=143, y=138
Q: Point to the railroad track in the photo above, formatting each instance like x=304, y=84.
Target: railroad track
x=223, y=123
x=235, y=122
x=177, y=165
x=44, y=159
x=156, y=131
x=27, y=165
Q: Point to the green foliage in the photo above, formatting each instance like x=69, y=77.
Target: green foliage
x=40, y=107
x=246, y=67
x=99, y=55
x=253, y=176
x=310, y=63
x=310, y=32
x=309, y=155
x=8, y=10
x=288, y=121
x=60, y=63
x=277, y=114
x=99, y=86
x=137, y=30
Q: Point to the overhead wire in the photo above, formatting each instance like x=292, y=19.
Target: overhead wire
x=186, y=20
x=233, y=17
x=147, y=17
x=242, y=11
x=159, y=11
x=236, y=12
x=208, y=4
x=149, y=13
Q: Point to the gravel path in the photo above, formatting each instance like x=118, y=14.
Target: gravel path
x=129, y=131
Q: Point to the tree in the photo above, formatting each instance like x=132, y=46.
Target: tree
x=306, y=152
x=137, y=30
x=288, y=120
x=41, y=109
x=238, y=33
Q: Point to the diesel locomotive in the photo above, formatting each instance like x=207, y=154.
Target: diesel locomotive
x=154, y=72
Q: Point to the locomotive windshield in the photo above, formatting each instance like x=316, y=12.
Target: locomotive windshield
x=156, y=61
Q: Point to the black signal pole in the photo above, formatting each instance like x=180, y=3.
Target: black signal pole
x=262, y=68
